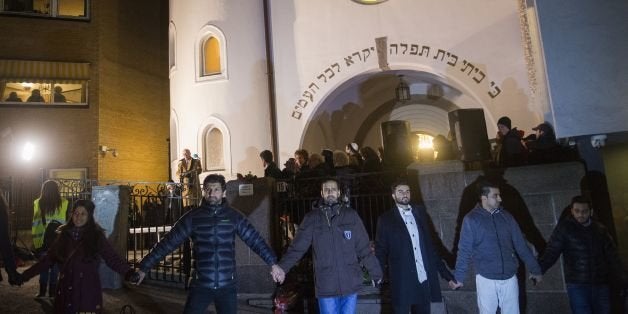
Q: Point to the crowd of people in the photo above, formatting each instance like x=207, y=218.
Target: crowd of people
x=403, y=252
x=327, y=163
x=515, y=149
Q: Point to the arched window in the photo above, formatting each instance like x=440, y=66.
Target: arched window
x=214, y=155
x=211, y=54
x=215, y=143
x=172, y=46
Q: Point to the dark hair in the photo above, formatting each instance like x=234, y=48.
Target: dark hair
x=215, y=178
x=266, y=156
x=330, y=179
x=368, y=152
x=49, y=198
x=93, y=233
x=397, y=183
x=302, y=152
x=505, y=121
x=483, y=187
x=580, y=199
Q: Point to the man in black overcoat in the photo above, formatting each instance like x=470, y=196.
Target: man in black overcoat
x=405, y=250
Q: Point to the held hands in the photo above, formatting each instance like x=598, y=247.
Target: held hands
x=454, y=285
x=137, y=277
x=536, y=279
x=278, y=274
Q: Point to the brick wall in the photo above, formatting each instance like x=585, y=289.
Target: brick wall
x=126, y=43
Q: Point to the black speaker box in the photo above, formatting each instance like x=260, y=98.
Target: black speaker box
x=470, y=137
x=396, y=143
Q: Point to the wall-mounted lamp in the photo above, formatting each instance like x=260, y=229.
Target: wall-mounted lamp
x=402, y=92
x=104, y=149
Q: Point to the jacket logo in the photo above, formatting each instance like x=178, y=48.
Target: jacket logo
x=347, y=234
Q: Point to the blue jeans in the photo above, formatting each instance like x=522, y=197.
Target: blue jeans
x=199, y=298
x=338, y=305
x=589, y=298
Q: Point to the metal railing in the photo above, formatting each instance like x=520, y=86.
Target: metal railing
x=156, y=206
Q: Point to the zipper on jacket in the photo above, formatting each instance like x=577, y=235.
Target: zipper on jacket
x=499, y=244
x=216, y=270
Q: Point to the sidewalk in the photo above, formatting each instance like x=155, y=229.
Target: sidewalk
x=144, y=299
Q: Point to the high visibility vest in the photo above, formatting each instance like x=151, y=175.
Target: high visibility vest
x=38, y=228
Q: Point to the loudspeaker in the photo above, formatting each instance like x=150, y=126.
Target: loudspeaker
x=396, y=143
x=470, y=137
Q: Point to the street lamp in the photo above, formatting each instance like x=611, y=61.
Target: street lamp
x=28, y=151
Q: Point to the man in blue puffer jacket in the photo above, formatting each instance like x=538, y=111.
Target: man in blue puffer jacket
x=491, y=237
x=212, y=228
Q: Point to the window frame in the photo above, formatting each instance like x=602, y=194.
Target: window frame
x=205, y=33
x=54, y=12
x=52, y=104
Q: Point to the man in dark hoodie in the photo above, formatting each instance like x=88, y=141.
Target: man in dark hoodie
x=339, y=245
x=512, y=152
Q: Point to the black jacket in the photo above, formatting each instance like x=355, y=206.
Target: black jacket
x=273, y=171
x=589, y=253
x=512, y=152
x=393, y=248
x=339, y=245
x=212, y=230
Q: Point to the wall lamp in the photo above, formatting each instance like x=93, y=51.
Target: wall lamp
x=104, y=149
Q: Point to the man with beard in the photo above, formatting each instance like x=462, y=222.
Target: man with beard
x=212, y=228
x=339, y=245
x=405, y=247
x=491, y=237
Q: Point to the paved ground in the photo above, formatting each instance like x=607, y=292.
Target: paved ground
x=144, y=299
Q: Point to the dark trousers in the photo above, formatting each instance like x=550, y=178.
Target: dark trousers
x=420, y=303
x=199, y=298
x=588, y=298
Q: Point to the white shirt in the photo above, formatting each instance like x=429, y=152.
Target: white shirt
x=408, y=219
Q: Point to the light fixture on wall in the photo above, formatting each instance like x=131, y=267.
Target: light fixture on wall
x=402, y=92
x=104, y=149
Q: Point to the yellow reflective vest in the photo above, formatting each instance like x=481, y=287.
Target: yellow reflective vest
x=38, y=228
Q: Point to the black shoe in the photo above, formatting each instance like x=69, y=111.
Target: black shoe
x=42, y=292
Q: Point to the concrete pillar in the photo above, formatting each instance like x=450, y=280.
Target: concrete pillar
x=112, y=213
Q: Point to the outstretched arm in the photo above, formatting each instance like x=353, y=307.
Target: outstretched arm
x=172, y=240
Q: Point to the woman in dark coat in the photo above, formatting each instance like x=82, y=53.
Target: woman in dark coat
x=79, y=247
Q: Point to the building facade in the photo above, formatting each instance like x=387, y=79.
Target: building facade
x=100, y=68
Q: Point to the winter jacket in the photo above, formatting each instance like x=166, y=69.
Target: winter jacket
x=339, y=245
x=512, y=152
x=589, y=253
x=212, y=230
x=79, y=288
x=493, y=241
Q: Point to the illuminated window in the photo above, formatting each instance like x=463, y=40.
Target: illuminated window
x=43, y=83
x=49, y=8
x=211, y=56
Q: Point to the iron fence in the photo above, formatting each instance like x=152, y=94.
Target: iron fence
x=156, y=206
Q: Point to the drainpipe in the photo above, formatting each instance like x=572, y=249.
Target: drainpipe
x=270, y=69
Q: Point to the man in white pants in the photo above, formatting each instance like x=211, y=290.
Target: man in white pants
x=491, y=237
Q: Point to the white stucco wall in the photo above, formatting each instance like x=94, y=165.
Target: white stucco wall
x=240, y=101
x=311, y=37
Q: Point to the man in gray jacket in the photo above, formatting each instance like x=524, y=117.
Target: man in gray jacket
x=492, y=238
x=339, y=245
